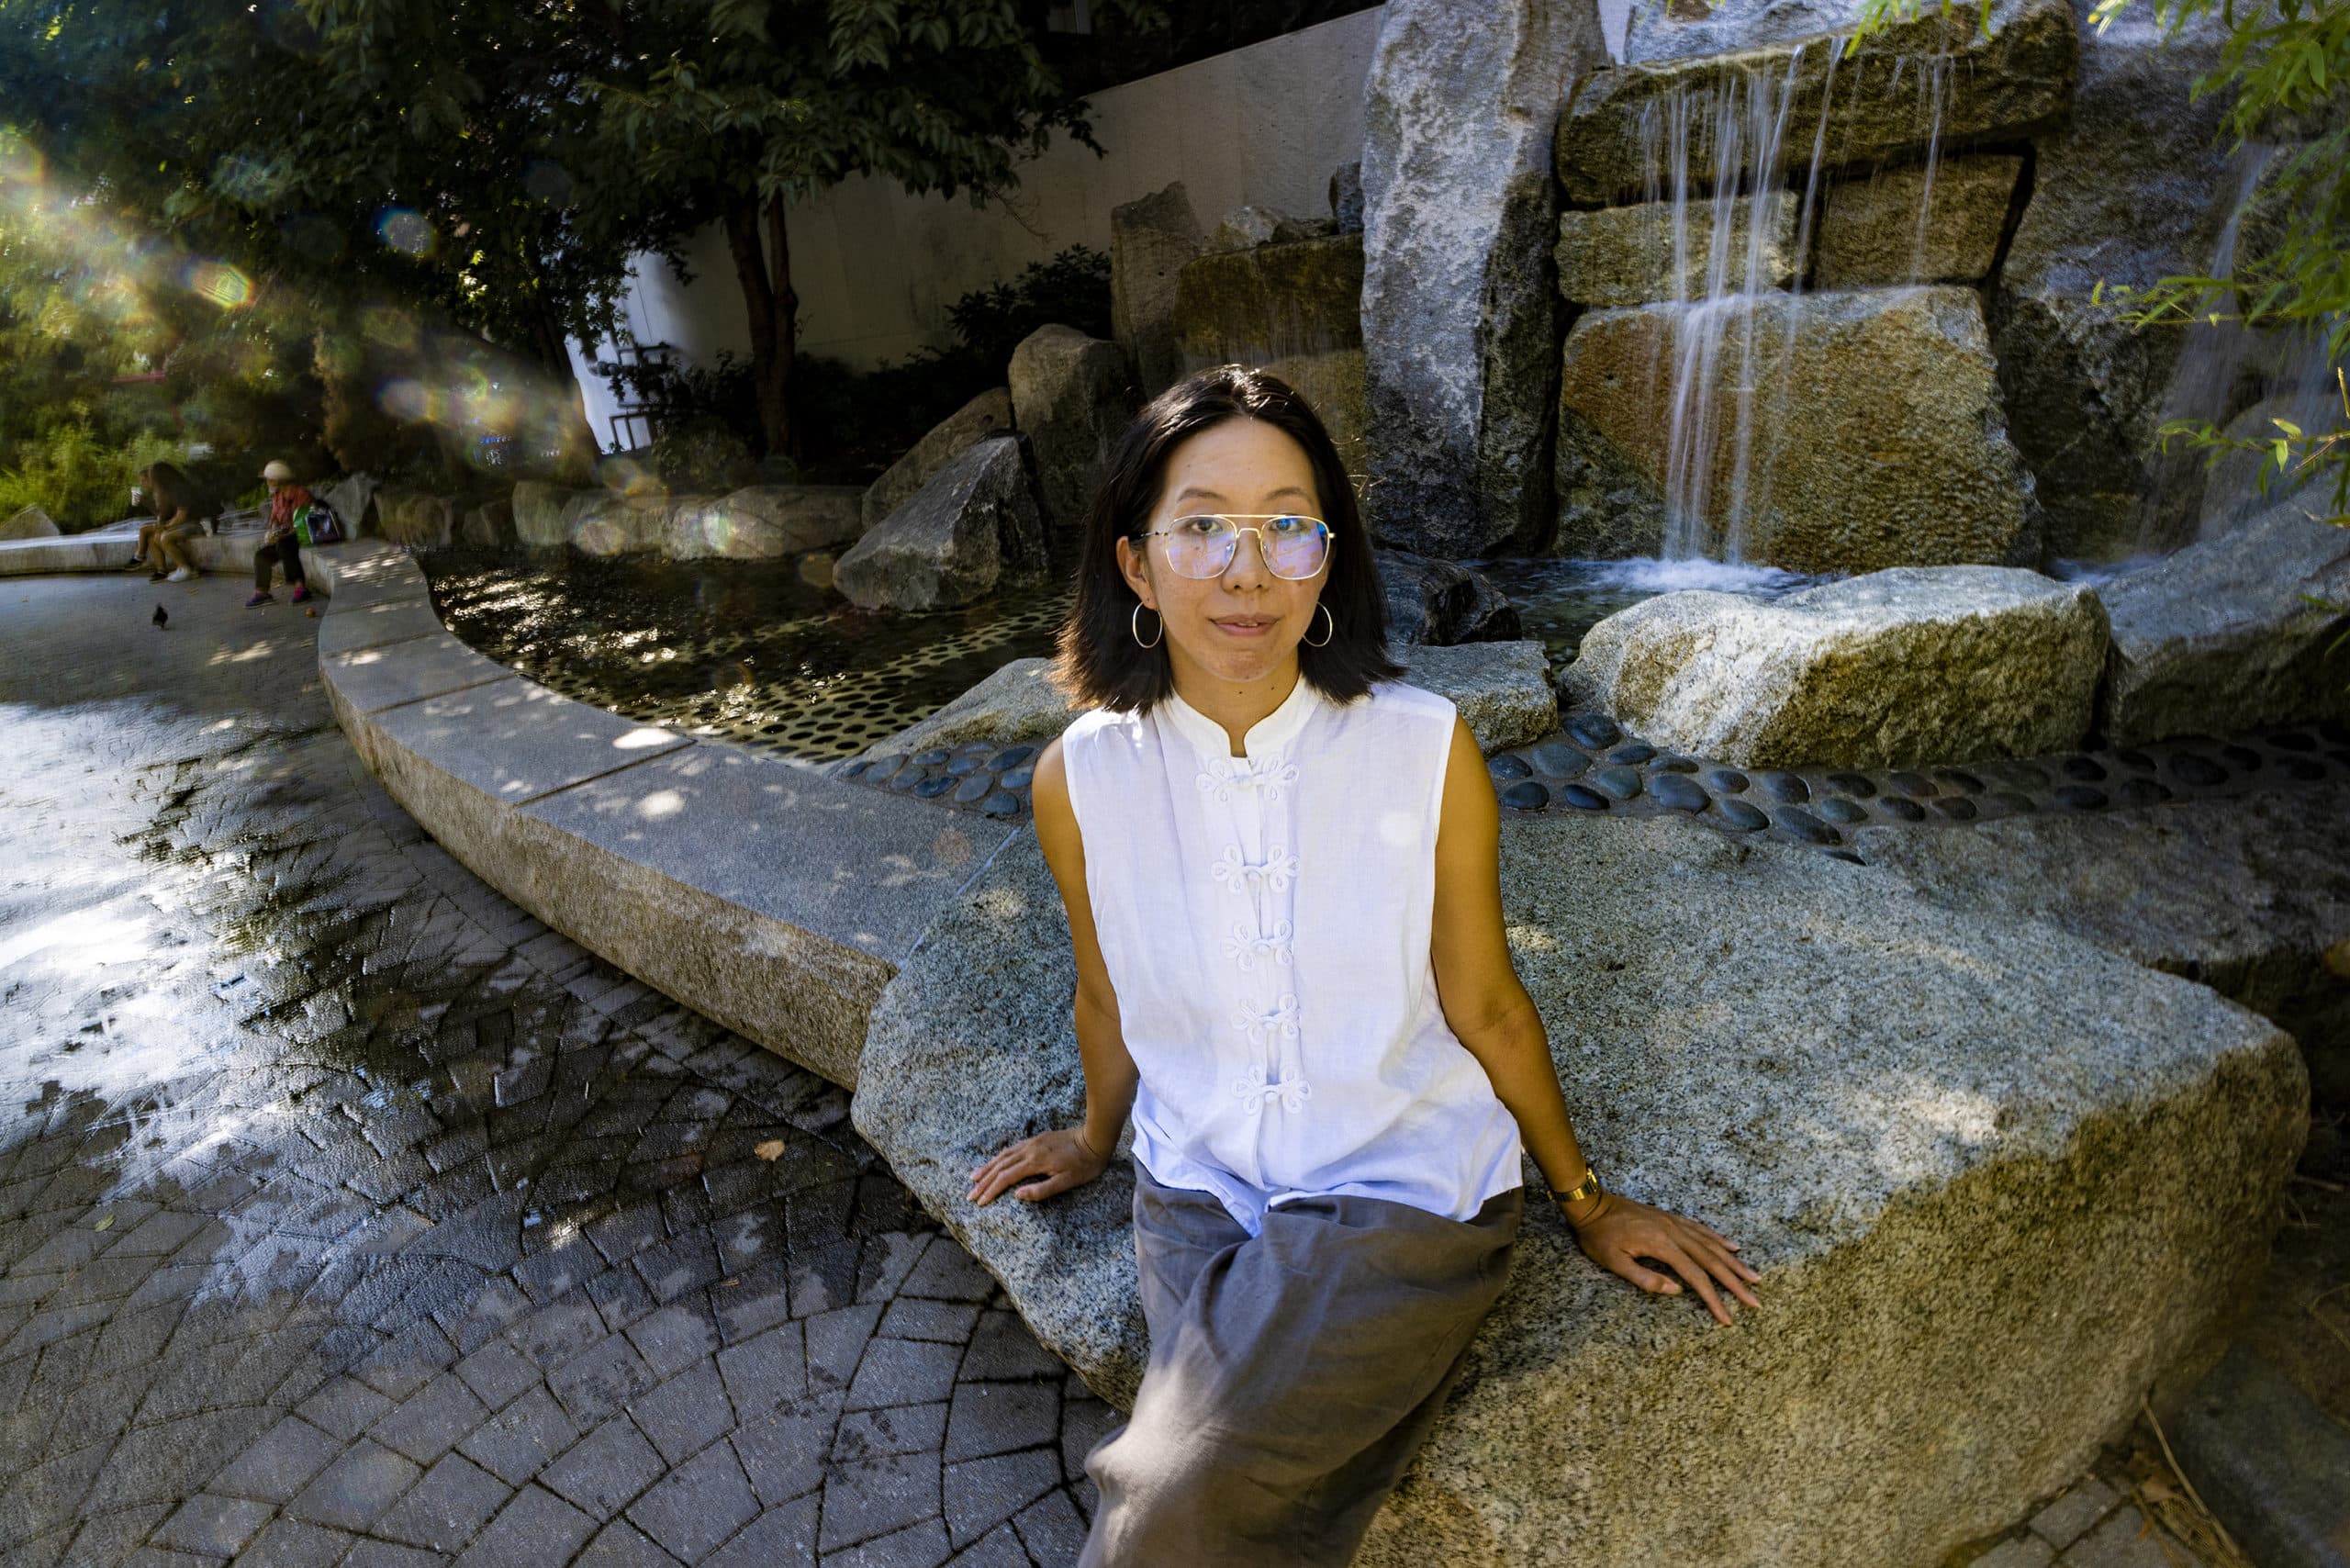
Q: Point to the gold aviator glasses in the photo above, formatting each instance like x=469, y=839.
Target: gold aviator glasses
x=1203, y=545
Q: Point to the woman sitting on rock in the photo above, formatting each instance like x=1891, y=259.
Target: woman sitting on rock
x=181, y=510
x=1282, y=872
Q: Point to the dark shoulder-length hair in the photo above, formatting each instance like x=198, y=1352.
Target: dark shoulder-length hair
x=174, y=491
x=1100, y=664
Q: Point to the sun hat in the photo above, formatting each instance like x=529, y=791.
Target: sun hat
x=279, y=472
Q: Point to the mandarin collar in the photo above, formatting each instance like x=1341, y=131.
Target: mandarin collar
x=1266, y=736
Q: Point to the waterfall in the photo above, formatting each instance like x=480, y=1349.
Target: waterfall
x=1727, y=360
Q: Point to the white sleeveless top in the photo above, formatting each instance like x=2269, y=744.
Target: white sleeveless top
x=1265, y=922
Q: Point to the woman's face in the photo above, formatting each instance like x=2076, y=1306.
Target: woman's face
x=1245, y=625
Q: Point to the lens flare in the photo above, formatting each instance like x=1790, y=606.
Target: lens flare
x=20, y=164
x=599, y=536
x=407, y=231
x=221, y=282
x=387, y=325
x=406, y=398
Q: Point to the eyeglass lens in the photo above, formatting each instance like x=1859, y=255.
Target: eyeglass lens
x=1203, y=545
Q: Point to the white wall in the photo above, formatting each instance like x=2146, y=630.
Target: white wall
x=875, y=269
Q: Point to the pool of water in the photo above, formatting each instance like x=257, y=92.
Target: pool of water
x=1558, y=601
x=762, y=651
x=765, y=651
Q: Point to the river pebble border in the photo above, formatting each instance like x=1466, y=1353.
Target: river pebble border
x=1593, y=764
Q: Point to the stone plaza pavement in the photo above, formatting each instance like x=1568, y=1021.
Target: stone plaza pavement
x=348, y=1214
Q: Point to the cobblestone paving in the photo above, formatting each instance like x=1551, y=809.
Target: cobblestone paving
x=347, y=1213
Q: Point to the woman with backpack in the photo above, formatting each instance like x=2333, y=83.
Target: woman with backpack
x=280, y=546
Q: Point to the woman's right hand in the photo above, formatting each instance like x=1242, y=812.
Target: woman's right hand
x=1048, y=1164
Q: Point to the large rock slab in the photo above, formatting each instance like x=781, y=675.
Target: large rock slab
x=1150, y=239
x=2246, y=894
x=2015, y=80
x=973, y=526
x=1872, y=231
x=353, y=499
x=1895, y=668
x=1631, y=256
x=988, y=414
x=1873, y=436
x=1680, y=32
x=413, y=518
x=1459, y=304
x=1441, y=602
x=1293, y=309
x=1502, y=689
x=1072, y=395
x=2222, y=636
x=1017, y=702
x=1915, y=1181
x=31, y=523
x=2084, y=391
x=538, y=512
x=761, y=522
x=609, y=522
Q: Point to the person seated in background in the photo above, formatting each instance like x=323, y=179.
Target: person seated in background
x=180, y=512
x=280, y=546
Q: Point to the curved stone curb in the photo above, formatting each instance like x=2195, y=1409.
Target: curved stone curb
x=763, y=895
x=1942, y=1137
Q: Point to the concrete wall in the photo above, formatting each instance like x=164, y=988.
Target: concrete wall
x=875, y=269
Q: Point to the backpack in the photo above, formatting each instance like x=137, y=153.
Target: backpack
x=317, y=524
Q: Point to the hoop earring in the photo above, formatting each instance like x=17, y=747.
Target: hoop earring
x=1326, y=635
x=1133, y=624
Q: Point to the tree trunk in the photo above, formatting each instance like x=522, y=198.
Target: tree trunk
x=773, y=308
x=577, y=447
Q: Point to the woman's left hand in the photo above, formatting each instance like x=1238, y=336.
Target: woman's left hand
x=1624, y=1231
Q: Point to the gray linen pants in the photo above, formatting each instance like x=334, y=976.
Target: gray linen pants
x=1293, y=1374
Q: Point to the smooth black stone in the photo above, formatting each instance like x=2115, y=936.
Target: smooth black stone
x=854, y=768
x=1846, y=854
x=1670, y=764
x=1785, y=787
x=963, y=765
x=1966, y=783
x=1805, y=827
x=1916, y=786
x=931, y=789
x=1621, y=783
x=1010, y=756
x=1018, y=778
x=2087, y=770
x=2028, y=776
x=1560, y=761
x=1526, y=796
x=1595, y=729
x=2009, y=801
x=2194, y=769
x=2341, y=755
x=2333, y=732
x=974, y=789
x=1632, y=753
x=774, y=729
x=1859, y=786
x=2301, y=770
x=1582, y=799
x=1506, y=765
x=2140, y=792
x=1740, y=815
x=1837, y=809
x=2293, y=740
x=1900, y=810
x=932, y=757
x=907, y=778
x=2137, y=759
x=1002, y=803
x=2243, y=757
x=1956, y=808
x=1726, y=781
x=1681, y=794
x=2080, y=797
